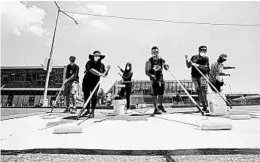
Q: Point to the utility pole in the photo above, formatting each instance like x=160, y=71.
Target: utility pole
x=45, y=103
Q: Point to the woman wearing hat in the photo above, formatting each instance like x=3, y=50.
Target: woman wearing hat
x=94, y=69
x=201, y=61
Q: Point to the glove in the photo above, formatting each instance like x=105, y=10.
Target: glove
x=152, y=78
x=166, y=66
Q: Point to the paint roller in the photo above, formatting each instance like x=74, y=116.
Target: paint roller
x=66, y=129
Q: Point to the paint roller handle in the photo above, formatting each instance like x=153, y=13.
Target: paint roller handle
x=106, y=72
x=186, y=92
x=212, y=86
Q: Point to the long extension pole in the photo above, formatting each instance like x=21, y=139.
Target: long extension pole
x=212, y=86
x=187, y=92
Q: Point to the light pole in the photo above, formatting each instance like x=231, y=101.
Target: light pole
x=45, y=103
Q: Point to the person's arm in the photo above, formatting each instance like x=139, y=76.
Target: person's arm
x=95, y=72
x=87, y=67
x=165, y=66
x=148, y=66
x=106, y=71
x=229, y=67
x=188, y=63
x=121, y=69
x=222, y=74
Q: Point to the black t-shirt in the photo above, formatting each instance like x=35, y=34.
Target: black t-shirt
x=71, y=70
x=157, y=68
x=92, y=78
x=204, y=68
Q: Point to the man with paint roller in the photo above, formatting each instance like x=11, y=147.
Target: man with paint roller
x=94, y=70
x=201, y=61
x=154, y=69
x=71, y=84
x=216, y=73
x=127, y=78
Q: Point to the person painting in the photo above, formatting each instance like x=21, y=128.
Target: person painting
x=154, y=70
x=217, y=73
x=127, y=78
x=71, y=84
x=94, y=70
x=201, y=61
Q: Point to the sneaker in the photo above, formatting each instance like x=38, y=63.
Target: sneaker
x=73, y=111
x=91, y=115
x=86, y=113
x=207, y=111
x=162, y=108
x=157, y=111
x=66, y=110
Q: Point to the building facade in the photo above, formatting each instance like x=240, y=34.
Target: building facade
x=142, y=91
x=24, y=86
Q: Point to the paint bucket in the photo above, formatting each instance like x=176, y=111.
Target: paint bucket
x=217, y=106
x=119, y=106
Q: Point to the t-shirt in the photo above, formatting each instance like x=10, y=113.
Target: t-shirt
x=204, y=68
x=157, y=68
x=71, y=70
x=216, y=68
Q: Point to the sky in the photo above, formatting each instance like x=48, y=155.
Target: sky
x=27, y=30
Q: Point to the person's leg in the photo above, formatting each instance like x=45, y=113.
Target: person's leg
x=155, y=94
x=161, y=93
x=218, y=85
x=128, y=94
x=66, y=94
x=86, y=96
x=196, y=81
x=73, y=92
x=122, y=92
x=204, y=92
x=93, y=103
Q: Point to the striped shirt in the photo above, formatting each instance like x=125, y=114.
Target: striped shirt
x=216, y=69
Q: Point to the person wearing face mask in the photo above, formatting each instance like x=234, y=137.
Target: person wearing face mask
x=71, y=84
x=154, y=69
x=127, y=78
x=94, y=70
x=201, y=61
x=216, y=73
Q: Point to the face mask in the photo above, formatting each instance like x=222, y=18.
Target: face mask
x=203, y=54
x=96, y=58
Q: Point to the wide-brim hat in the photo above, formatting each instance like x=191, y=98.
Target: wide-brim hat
x=97, y=53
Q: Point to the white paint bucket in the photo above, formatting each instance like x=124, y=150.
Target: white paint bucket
x=119, y=107
x=217, y=106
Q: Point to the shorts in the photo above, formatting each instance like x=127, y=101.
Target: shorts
x=158, y=88
x=217, y=84
x=71, y=88
x=200, y=82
